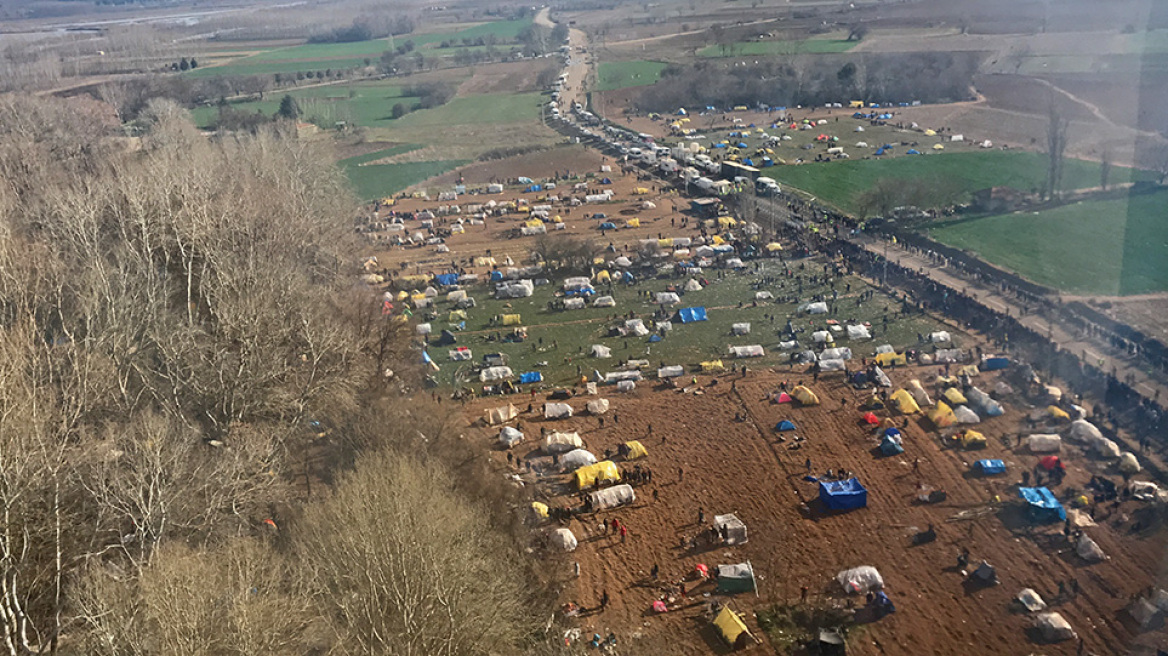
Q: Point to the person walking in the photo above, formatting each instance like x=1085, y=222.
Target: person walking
x=701, y=516
x=680, y=474
x=604, y=600
x=654, y=571
x=624, y=533
x=803, y=594
x=808, y=463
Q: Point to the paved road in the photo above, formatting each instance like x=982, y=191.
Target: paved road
x=577, y=68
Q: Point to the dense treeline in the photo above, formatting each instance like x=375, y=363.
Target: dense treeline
x=184, y=360
x=787, y=82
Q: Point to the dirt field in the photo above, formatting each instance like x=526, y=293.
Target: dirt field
x=742, y=467
x=1144, y=312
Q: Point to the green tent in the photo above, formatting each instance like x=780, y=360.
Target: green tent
x=736, y=578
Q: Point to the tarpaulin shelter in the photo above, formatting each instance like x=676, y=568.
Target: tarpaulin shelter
x=539, y=509
x=858, y=332
x=597, y=406
x=831, y=643
x=919, y=394
x=983, y=402
x=783, y=397
x=940, y=336
x=666, y=298
x=887, y=359
x=691, y=314
x=838, y=353
x=509, y=436
x=1043, y=505
x=531, y=377
x=732, y=629
x=843, y=495
x=892, y=444
x=971, y=440
x=990, y=467
x=512, y=319
x=461, y=353
x=822, y=337
x=993, y=363
x=785, y=425
x=636, y=450
x=1030, y=600
x=564, y=539
x=671, y=371
x=1050, y=463
x=501, y=414
x=904, y=403
x=604, y=301
x=577, y=458
x=870, y=418
x=557, y=411
x=612, y=497
x=1053, y=627
x=740, y=328
x=860, y=579
x=732, y=528
x=874, y=402
x=819, y=307
x=954, y=396
x=600, y=351
x=805, y=396
x=1057, y=413
x=963, y=415
x=562, y=442
x=1129, y=463
x=596, y=474
x=832, y=364
x=1044, y=443
x=736, y=578
x=941, y=415
x=750, y=351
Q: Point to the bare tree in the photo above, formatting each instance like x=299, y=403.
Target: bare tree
x=1056, y=145
x=1105, y=164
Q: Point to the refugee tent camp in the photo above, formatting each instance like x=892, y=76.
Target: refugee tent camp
x=562, y=442
x=612, y=497
x=904, y=403
x=736, y=578
x=1043, y=505
x=919, y=394
x=805, y=396
x=597, y=474
x=597, y=406
x=556, y=411
x=564, y=539
x=941, y=415
x=577, y=458
x=501, y=414
x=732, y=528
x=732, y=629
x=843, y=495
x=509, y=436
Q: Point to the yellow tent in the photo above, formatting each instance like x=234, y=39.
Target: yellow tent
x=858, y=104
x=904, y=402
x=403, y=295
x=972, y=439
x=512, y=319
x=640, y=191
x=774, y=246
x=886, y=359
x=970, y=370
x=665, y=243
x=484, y=261
x=534, y=223
x=1057, y=413
x=873, y=403
x=712, y=365
x=456, y=315
x=388, y=201
x=600, y=472
x=717, y=241
x=540, y=509
x=636, y=450
x=930, y=133
x=633, y=223
x=947, y=380
x=415, y=280
x=941, y=415
x=603, y=276
x=955, y=397
x=557, y=219
x=417, y=297
x=523, y=209
x=598, y=261
x=730, y=626
x=805, y=396
x=938, y=147
x=726, y=222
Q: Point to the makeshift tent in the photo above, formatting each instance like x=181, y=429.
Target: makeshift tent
x=424, y=329
x=557, y=411
x=509, y=437
x=971, y=440
x=940, y=336
x=1043, y=505
x=531, y=377
x=574, y=304
x=1084, y=431
x=596, y=474
x=889, y=359
x=751, y=351
x=1044, y=443
x=919, y=394
x=874, y=402
x=881, y=379
x=1053, y=627
x=805, y=396
x=832, y=365
x=601, y=351
x=831, y=641
x=941, y=415
x=1128, y=463
x=563, y=538
x=985, y=573
x=1057, y=413
x=785, y=425
x=501, y=414
x=626, y=385
x=1089, y=550
x=740, y=328
x=1050, y=463
x=843, y=495
x=732, y=528
x=577, y=458
x=690, y=315
x=818, y=307
x=991, y=467
x=693, y=285
x=597, y=406
x=635, y=450
x=840, y=353
x=892, y=444
x=821, y=337
x=671, y=371
x=732, y=629
x=604, y=301
x=860, y=579
x=461, y=353
x=984, y=403
x=954, y=396
x=1030, y=600
x=993, y=363
x=612, y=497
x=666, y=298
x=964, y=415
x=858, y=332
x=562, y=442
x=903, y=402
x=736, y=578
x=539, y=509
x=870, y=418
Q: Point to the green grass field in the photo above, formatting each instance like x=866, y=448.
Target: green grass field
x=1112, y=247
x=806, y=46
x=381, y=180
x=841, y=182
x=366, y=103
x=475, y=110
x=620, y=75
x=567, y=336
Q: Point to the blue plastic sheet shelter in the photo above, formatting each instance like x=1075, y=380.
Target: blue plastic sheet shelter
x=993, y=364
x=843, y=495
x=990, y=467
x=496, y=276
x=531, y=377
x=785, y=425
x=608, y=225
x=891, y=445
x=892, y=432
x=446, y=279
x=692, y=314
x=1044, y=506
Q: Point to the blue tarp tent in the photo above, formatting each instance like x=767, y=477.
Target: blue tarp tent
x=525, y=180
x=1044, y=506
x=690, y=315
x=534, y=188
x=608, y=225
x=748, y=162
x=891, y=445
x=990, y=467
x=993, y=364
x=446, y=279
x=654, y=338
x=912, y=151
x=605, y=181
x=892, y=432
x=496, y=276
x=531, y=377
x=843, y=495
x=785, y=425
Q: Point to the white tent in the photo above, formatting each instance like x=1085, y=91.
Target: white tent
x=919, y=394
x=574, y=304
x=858, y=332
x=494, y=373
x=597, y=406
x=501, y=414
x=667, y=298
x=788, y=345
x=515, y=289
x=832, y=364
x=604, y=301
x=424, y=329
x=636, y=327
x=671, y=371
x=881, y=378
x=456, y=295
x=1128, y=463
x=821, y=337
x=1084, y=431
x=577, y=458
x=601, y=351
x=860, y=579
x=1044, y=443
x=948, y=356
x=613, y=497
x=693, y=285
x=626, y=385
x=840, y=353
x=740, y=328
x=563, y=538
x=763, y=296
x=964, y=415
x=1089, y=550
x=885, y=348
x=622, y=261
x=557, y=411
x=562, y=442
x=614, y=377
x=461, y=354
x=1031, y=600
x=817, y=308
x=940, y=336
x=577, y=282
x=1053, y=627
x=751, y=351
x=509, y=437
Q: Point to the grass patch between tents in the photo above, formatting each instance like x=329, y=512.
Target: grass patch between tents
x=621, y=75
